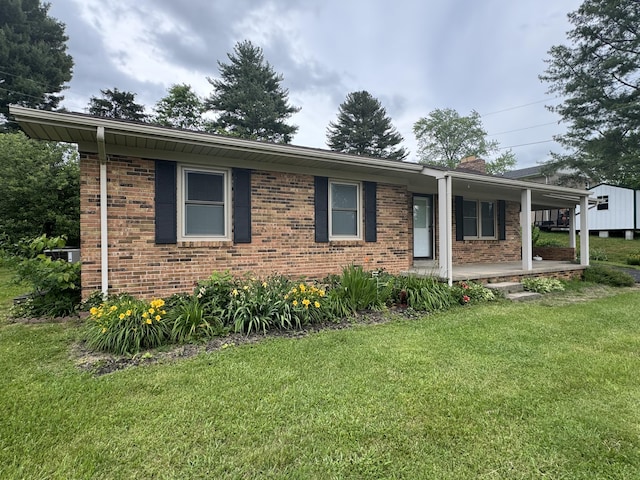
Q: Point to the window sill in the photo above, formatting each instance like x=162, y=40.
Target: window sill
x=356, y=242
x=204, y=243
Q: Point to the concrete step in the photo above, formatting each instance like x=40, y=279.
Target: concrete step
x=506, y=287
x=522, y=296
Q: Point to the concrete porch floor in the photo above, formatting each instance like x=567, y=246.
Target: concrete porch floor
x=486, y=271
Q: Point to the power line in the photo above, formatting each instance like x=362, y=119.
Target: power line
x=526, y=144
x=523, y=128
x=517, y=106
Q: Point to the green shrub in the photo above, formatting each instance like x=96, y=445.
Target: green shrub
x=424, y=294
x=549, y=242
x=633, y=259
x=608, y=276
x=598, y=255
x=535, y=235
x=54, y=284
x=188, y=321
x=260, y=305
x=354, y=290
x=309, y=304
x=213, y=293
x=471, y=292
x=124, y=325
x=542, y=285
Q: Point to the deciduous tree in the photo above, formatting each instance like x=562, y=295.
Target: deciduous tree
x=363, y=128
x=597, y=76
x=181, y=108
x=40, y=185
x=34, y=64
x=445, y=137
x=249, y=98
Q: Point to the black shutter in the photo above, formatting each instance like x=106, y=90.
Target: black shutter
x=370, y=212
x=165, y=202
x=502, y=224
x=459, y=207
x=321, y=214
x=241, y=205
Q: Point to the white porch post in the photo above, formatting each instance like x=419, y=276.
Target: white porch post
x=572, y=228
x=445, y=248
x=584, y=231
x=525, y=227
x=104, y=234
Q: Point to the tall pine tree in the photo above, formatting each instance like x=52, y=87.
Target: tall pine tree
x=34, y=64
x=363, y=128
x=249, y=98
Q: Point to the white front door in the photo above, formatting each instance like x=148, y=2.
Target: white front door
x=422, y=226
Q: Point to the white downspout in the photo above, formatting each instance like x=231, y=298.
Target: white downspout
x=445, y=229
x=584, y=231
x=104, y=246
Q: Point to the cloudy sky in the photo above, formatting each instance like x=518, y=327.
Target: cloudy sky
x=413, y=55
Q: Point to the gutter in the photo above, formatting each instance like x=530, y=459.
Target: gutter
x=104, y=246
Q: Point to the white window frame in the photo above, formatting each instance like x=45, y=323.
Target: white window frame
x=479, y=220
x=359, y=206
x=182, y=204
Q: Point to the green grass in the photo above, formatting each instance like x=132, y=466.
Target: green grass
x=495, y=391
x=8, y=291
x=617, y=249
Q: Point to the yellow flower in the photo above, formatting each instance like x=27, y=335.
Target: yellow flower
x=145, y=315
x=316, y=304
x=152, y=311
x=163, y=312
x=121, y=316
x=246, y=287
x=321, y=293
x=129, y=313
x=294, y=290
x=295, y=303
x=306, y=302
x=93, y=311
x=113, y=308
x=158, y=317
x=104, y=329
x=286, y=297
x=264, y=284
x=235, y=292
x=148, y=321
x=303, y=288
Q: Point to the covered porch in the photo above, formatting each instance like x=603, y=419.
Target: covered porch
x=499, y=272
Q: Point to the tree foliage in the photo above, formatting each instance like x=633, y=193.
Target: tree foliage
x=363, y=128
x=445, y=138
x=117, y=104
x=40, y=185
x=598, y=77
x=249, y=98
x=180, y=108
x=34, y=64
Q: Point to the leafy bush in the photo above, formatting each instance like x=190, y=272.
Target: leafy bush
x=542, y=285
x=535, y=235
x=213, y=294
x=423, y=294
x=549, y=242
x=598, y=255
x=308, y=304
x=471, y=292
x=608, y=276
x=54, y=284
x=354, y=290
x=633, y=259
x=125, y=325
x=260, y=305
x=188, y=321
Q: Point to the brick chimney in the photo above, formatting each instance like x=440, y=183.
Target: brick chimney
x=472, y=164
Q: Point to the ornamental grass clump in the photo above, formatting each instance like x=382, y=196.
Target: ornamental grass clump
x=125, y=325
x=422, y=294
x=354, y=290
x=189, y=321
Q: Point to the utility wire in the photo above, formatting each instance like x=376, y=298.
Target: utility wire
x=525, y=144
x=517, y=106
x=523, y=128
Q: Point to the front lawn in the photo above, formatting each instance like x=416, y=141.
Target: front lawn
x=613, y=250
x=491, y=391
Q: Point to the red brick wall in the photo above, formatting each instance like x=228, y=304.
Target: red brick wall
x=282, y=233
x=491, y=251
x=555, y=253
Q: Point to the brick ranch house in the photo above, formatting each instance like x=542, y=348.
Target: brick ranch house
x=162, y=208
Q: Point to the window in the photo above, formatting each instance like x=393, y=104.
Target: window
x=603, y=202
x=204, y=204
x=479, y=219
x=344, y=201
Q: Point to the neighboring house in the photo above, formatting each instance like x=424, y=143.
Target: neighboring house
x=162, y=208
x=616, y=209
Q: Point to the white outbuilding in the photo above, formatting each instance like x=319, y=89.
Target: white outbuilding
x=616, y=209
